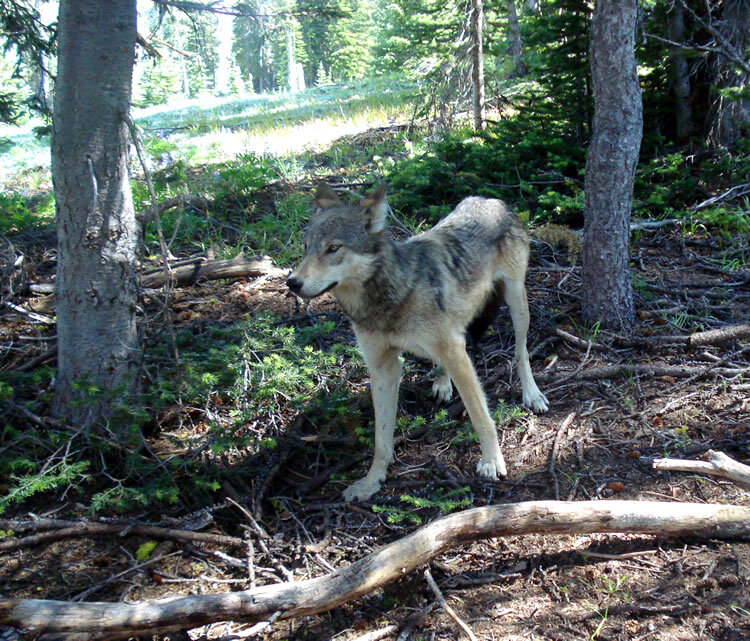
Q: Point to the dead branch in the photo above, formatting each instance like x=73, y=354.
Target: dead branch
x=718, y=464
x=674, y=371
x=646, y=225
x=377, y=635
x=165, y=253
x=732, y=193
x=294, y=599
x=726, y=48
x=98, y=529
x=710, y=337
x=238, y=267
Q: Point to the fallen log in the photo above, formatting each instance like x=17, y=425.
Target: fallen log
x=120, y=620
x=720, y=335
x=239, y=267
x=717, y=464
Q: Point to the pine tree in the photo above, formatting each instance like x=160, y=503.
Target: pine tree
x=352, y=52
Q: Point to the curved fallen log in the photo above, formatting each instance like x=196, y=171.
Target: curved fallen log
x=119, y=620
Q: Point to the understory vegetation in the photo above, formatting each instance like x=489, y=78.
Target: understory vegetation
x=213, y=383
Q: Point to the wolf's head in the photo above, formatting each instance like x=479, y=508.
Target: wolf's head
x=341, y=243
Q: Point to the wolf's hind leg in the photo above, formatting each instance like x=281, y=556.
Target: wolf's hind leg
x=385, y=373
x=442, y=387
x=518, y=304
x=451, y=352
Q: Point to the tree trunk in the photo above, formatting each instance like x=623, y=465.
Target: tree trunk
x=477, y=62
x=98, y=232
x=516, y=47
x=225, y=34
x=610, y=166
x=680, y=72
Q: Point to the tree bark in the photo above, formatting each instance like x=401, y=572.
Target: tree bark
x=610, y=166
x=98, y=232
x=477, y=63
x=118, y=620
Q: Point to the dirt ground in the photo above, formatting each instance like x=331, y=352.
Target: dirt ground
x=596, y=442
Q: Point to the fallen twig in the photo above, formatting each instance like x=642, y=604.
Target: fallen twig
x=709, y=337
x=37, y=318
x=444, y=604
x=646, y=225
x=377, y=635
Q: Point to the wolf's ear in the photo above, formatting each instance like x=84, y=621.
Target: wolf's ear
x=325, y=197
x=375, y=209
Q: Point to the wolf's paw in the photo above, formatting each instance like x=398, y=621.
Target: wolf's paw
x=493, y=468
x=535, y=401
x=361, y=490
x=442, y=388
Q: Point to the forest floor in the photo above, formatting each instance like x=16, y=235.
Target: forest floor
x=603, y=428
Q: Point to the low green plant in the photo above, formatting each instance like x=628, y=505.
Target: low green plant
x=248, y=172
x=611, y=589
x=253, y=369
x=442, y=502
x=505, y=414
x=586, y=333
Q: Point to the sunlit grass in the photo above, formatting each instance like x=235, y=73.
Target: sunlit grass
x=209, y=129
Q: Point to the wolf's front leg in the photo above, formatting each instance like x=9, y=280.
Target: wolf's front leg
x=385, y=374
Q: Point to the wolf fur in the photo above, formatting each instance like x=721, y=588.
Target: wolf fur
x=423, y=296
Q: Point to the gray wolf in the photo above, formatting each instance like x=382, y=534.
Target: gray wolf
x=422, y=296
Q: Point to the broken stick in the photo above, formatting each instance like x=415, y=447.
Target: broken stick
x=718, y=464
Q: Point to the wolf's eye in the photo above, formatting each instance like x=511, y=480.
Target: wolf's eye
x=332, y=249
